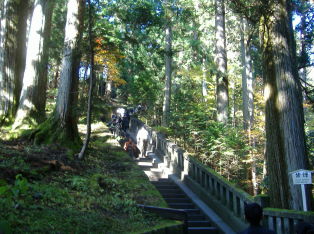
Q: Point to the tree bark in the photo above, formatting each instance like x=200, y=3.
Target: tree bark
x=24, y=17
x=222, y=98
x=303, y=54
x=168, y=72
x=61, y=126
x=285, y=144
x=247, y=97
x=8, y=52
x=168, y=66
x=67, y=92
x=33, y=96
x=91, y=79
x=247, y=78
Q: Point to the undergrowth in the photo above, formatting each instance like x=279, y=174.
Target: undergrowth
x=45, y=190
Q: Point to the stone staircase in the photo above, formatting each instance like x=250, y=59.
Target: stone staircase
x=175, y=197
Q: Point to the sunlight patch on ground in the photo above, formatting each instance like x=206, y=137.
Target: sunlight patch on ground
x=98, y=129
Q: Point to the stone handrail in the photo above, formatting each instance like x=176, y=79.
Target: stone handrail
x=223, y=197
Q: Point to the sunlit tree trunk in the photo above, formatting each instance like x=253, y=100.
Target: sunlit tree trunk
x=204, y=82
x=168, y=70
x=91, y=80
x=33, y=95
x=56, y=77
x=222, y=98
x=247, y=97
x=285, y=145
x=247, y=78
x=61, y=126
x=303, y=53
x=8, y=52
x=24, y=12
x=108, y=90
x=67, y=93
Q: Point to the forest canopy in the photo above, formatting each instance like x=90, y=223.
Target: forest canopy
x=229, y=81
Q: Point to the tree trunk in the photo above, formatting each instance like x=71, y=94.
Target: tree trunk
x=303, y=53
x=91, y=79
x=108, y=90
x=33, y=96
x=247, y=78
x=222, y=98
x=8, y=52
x=56, y=77
x=101, y=86
x=24, y=15
x=247, y=97
x=204, y=82
x=61, y=127
x=285, y=138
x=168, y=71
x=67, y=93
x=233, y=107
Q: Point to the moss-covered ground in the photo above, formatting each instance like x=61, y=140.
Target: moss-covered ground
x=44, y=189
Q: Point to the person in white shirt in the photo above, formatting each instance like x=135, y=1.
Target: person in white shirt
x=142, y=140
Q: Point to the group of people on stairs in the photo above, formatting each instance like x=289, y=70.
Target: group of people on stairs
x=137, y=150
x=119, y=124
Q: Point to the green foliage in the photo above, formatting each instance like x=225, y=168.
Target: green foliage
x=222, y=147
x=14, y=195
x=4, y=227
x=164, y=130
x=98, y=194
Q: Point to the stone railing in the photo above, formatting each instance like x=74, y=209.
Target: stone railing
x=223, y=197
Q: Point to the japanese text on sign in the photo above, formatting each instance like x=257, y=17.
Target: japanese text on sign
x=302, y=177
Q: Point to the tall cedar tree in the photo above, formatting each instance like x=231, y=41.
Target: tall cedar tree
x=91, y=80
x=12, y=54
x=221, y=63
x=61, y=127
x=285, y=137
x=33, y=95
x=168, y=64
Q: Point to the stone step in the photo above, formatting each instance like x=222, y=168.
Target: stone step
x=154, y=175
x=181, y=205
x=162, y=180
x=193, y=211
x=155, y=169
x=145, y=167
x=145, y=164
x=196, y=217
x=170, y=191
x=201, y=230
x=179, y=200
x=166, y=186
x=147, y=159
x=151, y=164
x=160, y=183
x=199, y=223
x=173, y=195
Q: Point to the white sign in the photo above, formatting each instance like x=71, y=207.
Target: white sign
x=302, y=177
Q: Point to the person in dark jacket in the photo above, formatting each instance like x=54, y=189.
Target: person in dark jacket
x=254, y=214
x=125, y=121
x=304, y=228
